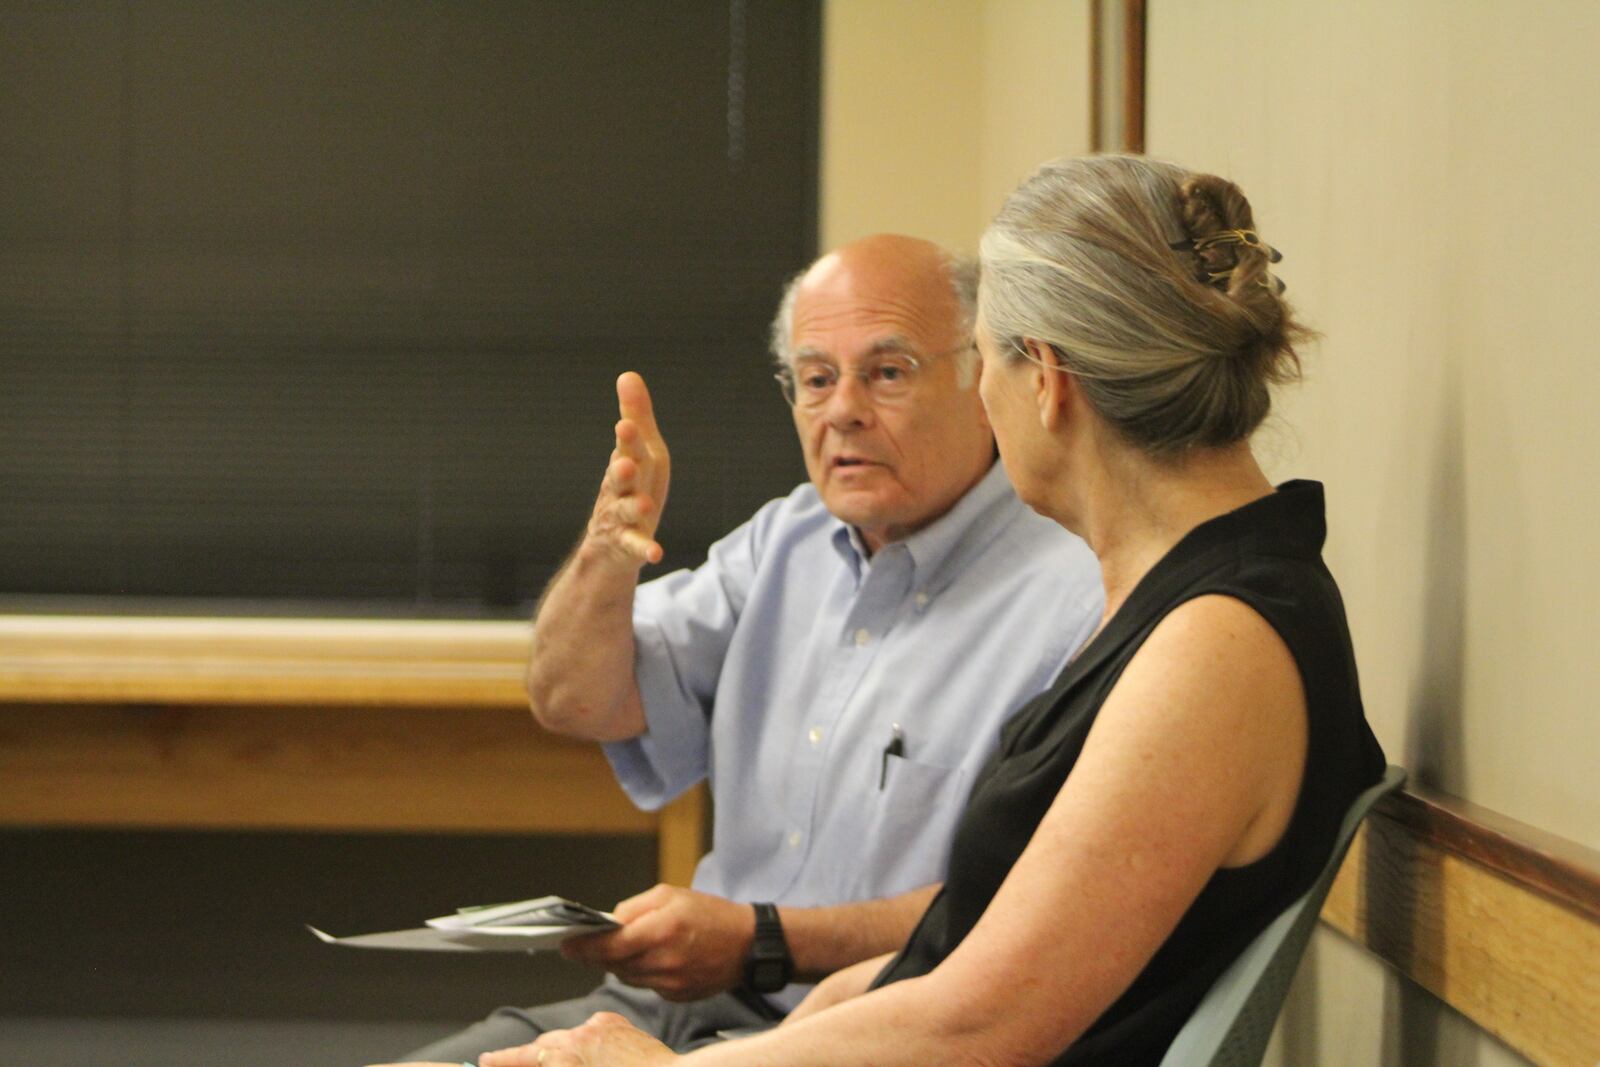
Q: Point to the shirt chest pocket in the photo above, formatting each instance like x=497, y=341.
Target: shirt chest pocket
x=904, y=829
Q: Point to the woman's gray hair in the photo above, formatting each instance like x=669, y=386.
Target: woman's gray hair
x=963, y=274
x=1174, y=347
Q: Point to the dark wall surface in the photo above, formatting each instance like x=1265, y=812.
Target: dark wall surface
x=212, y=925
x=325, y=301
x=322, y=304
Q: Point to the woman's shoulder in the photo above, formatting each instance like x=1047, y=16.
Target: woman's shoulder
x=1213, y=648
x=1217, y=681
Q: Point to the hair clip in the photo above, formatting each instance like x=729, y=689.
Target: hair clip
x=1238, y=237
x=1229, y=237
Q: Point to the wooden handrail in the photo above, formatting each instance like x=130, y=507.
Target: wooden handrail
x=1563, y=870
x=1498, y=919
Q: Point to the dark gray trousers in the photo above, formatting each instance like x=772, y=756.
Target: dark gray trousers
x=681, y=1026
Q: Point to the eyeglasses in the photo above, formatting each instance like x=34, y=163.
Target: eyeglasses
x=889, y=379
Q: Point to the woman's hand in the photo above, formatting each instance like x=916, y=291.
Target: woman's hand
x=606, y=1040
x=839, y=987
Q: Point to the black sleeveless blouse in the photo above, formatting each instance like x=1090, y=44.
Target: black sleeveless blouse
x=1267, y=554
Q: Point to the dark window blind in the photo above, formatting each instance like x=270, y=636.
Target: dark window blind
x=325, y=301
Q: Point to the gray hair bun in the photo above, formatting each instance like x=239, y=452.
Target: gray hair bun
x=1153, y=285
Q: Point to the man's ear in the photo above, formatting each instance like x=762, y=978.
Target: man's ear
x=1052, y=382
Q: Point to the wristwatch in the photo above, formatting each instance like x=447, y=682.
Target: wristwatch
x=769, y=966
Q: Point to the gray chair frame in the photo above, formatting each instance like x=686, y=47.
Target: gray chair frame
x=1232, y=1024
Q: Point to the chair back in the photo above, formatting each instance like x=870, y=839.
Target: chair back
x=1232, y=1024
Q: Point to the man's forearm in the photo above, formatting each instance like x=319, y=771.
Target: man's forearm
x=580, y=678
x=580, y=669
x=824, y=940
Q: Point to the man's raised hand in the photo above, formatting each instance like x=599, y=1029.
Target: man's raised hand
x=634, y=489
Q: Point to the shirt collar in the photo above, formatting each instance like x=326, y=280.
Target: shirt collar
x=936, y=545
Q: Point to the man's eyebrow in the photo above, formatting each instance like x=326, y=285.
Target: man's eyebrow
x=894, y=344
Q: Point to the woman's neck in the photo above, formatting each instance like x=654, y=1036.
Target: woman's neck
x=1131, y=510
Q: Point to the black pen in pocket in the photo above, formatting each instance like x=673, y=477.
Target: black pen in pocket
x=895, y=747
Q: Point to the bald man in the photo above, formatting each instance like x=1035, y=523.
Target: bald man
x=839, y=667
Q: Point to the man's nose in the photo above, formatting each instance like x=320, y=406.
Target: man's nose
x=851, y=403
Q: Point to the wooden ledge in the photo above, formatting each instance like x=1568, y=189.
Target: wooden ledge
x=1563, y=870
x=1498, y=919
x=312, y=724
x=155, y=660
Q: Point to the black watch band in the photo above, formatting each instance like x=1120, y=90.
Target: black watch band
x=769, y=966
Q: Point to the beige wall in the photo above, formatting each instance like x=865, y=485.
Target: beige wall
x=1428, y=169
x=933, y=111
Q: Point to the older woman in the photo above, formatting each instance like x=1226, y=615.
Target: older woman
x=1182, y=781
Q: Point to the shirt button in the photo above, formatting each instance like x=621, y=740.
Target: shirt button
x=794, y=839
x=862, y=637
x=815, y=735
x=922, y=600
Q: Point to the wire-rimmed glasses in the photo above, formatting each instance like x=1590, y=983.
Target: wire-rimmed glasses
x=888, y=377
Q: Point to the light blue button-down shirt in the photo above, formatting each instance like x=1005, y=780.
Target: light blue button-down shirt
x=782, y=667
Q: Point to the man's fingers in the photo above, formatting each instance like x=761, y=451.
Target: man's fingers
x=626, y=433
x=607, y=949
x=645, y=548
x=632, y=510
x=587, y=950
x=633, y=402
x=628, y=948
x=622, y=473
x=639, y=443
x=627, y=505
x=632, y=460
x=639, y=903
x=634, y=488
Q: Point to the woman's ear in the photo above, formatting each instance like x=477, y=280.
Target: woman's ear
x=1052, y=382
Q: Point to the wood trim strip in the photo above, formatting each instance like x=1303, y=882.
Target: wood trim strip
x=1097, y=75
x=1516, y=961
x=1133, y=27
x=1561, y=869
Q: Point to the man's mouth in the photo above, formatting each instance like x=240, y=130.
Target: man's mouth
x=851, y=461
